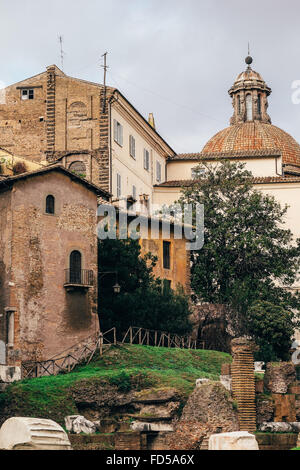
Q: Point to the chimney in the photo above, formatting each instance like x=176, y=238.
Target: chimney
x=151, y=120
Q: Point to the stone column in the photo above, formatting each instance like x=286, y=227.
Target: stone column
x=243, y=382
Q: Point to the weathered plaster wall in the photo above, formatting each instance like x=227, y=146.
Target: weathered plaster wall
x=51, y=319
x=5, y=250
x=182, y=169
x=179, y=272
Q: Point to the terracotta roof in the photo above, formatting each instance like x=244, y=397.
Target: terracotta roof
x=8, y=182
x=292, y=170
x=248, y=140
x=255, y=180
x=263, y=153
x=254, y=136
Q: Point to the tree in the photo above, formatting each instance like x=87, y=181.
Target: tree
x=272, y=327
x=143, y=301
x=248, y=254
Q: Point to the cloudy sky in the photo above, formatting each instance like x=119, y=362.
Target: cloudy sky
x=175, y=58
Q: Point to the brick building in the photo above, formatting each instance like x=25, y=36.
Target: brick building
x=48, y=263
x=90, y=129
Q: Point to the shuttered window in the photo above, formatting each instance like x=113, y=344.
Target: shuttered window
x=118, y=132
x=132, y=146
x=146, y=160
x=158, y=172
x=166, y=255
x=119, y=188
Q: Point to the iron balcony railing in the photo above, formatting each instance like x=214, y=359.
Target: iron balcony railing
x=80, y=277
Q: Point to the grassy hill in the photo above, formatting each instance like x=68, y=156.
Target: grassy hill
x=125, y=368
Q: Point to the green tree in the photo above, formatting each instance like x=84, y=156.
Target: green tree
x=143, y=301
x=248, y=254
x=272, y=327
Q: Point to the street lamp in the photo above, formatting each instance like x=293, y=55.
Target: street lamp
x=116, y=286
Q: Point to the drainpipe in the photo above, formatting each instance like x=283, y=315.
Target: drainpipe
x=276, y=168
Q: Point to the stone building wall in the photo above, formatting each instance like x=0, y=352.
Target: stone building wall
x=179, y=272
x=5, y=247
x=22, y=122
x=64, y=117
x=49, y=319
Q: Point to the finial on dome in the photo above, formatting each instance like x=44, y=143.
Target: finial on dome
x=248, y=59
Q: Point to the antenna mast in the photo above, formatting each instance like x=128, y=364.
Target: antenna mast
x=62, y=53
x=105, y=67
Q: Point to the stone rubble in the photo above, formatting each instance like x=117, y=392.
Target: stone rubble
x=79, y=424
x=240, y=440
x=280, y=427
x=200, y=382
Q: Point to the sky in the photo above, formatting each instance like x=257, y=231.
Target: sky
x=174, y=58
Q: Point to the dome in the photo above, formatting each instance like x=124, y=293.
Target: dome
x=248, y=74
x=249, y=80
x=254, y=138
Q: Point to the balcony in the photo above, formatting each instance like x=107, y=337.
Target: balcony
x=78, y=279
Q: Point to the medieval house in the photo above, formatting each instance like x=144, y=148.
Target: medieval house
x=90, y=129
x=48, y=265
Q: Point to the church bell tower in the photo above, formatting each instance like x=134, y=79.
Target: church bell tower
x=249, y=95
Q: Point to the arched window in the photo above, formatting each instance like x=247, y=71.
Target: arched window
x=239, y=104
x=249, y=107
x=75, y=267
x=78, y=168
x=259, y=104
x=50, y=204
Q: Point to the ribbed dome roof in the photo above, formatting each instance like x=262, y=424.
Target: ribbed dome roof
x=249, y=74
x=256, y=137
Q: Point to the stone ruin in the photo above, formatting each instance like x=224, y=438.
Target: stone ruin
x=240, y=440
x=33, y=434
x=210, y=409
x=278, y=396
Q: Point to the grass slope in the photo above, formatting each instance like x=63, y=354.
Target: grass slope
x=127, y=368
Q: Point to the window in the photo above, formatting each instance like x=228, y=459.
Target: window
x=75, y=267
x=27, y=94
x=166, y=285
x=132, y=146
x=158, y=172
x=118, y=132
x=50, y=204
x=249, y=107
x=239, y=104
x=119, y=187
x=259, y=104
x=134, y=192
x=78, y=168
x=146, y=160
x=166, y=255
